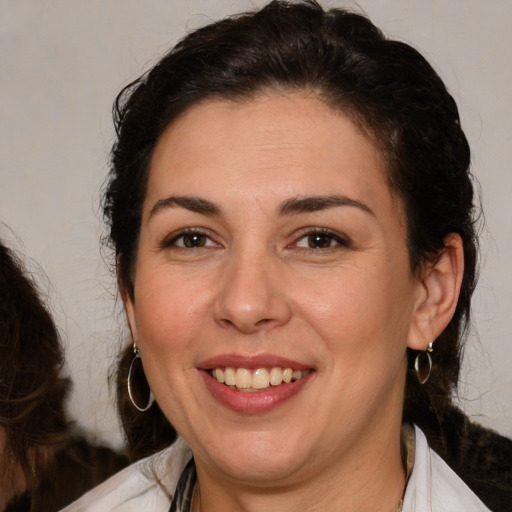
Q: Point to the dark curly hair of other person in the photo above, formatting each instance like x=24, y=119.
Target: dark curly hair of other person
x=47, y=463
x=32, y=389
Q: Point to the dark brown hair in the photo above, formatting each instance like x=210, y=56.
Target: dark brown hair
x=386, y=87
x=145, y=432
x=32, y=389
x=58, y=464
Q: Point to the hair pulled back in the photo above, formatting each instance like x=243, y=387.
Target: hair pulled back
x=386, y=87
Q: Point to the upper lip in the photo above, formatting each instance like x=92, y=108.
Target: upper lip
x=250, y=362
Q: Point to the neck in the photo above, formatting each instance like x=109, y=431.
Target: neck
x=367, y=478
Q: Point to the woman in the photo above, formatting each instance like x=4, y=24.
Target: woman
x=44, y=463
x=292, y=216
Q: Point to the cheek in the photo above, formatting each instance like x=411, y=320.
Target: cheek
x=170, y=315
x=169, y=312
x=358, y=310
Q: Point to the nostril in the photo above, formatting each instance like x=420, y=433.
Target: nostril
x=225, y=322
x=264, y=321
x=246, y=324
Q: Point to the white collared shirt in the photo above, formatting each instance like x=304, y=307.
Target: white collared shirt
x=148, y=485
x=434, y=487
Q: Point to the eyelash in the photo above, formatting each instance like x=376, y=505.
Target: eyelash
x=172, y=240
x=331, y=236
x=339, y=239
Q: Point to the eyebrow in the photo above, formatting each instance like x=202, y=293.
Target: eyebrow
x=193, y=204
x=288, y=207
x=318, y=203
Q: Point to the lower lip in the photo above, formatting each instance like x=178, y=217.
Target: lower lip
x=257, y=401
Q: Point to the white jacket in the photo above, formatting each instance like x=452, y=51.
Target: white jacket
x=149, y=484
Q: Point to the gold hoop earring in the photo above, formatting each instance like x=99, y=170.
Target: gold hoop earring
x=423, y=364
x=151, y=397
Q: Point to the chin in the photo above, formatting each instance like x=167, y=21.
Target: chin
x=257, y=458
x=258, y=471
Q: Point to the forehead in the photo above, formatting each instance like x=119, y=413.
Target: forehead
x=275, y=144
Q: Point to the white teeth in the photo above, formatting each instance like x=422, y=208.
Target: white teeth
x=258, y=379
x=287, y=375
x=219, y=374
x=276, y=376
x=243, y=378
x=296, y=375
x=229, y=376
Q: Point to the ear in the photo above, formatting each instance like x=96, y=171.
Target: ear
x=438, y=294
x=127, y=298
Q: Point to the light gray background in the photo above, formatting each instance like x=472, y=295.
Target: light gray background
x=63, y=61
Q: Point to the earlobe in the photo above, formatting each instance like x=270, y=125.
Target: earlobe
x=438, y=294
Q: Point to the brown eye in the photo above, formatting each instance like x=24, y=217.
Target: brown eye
x=320, y=241
x=193, y=240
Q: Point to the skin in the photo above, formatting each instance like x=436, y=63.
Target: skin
x=346, y=308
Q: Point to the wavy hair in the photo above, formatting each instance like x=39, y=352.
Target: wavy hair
x=32, y=389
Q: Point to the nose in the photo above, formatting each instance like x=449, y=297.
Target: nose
x=252, y=295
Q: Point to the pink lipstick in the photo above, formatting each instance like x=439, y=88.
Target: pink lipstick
x=253, y=384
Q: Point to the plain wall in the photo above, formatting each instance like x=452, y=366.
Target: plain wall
x=62, y=62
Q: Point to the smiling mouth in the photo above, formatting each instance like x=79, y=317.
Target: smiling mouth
x=259, y=379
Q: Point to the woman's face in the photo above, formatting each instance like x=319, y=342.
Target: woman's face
x=272, y=248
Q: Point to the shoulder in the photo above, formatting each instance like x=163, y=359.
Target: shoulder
x=434, y=487
x=147, y=484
